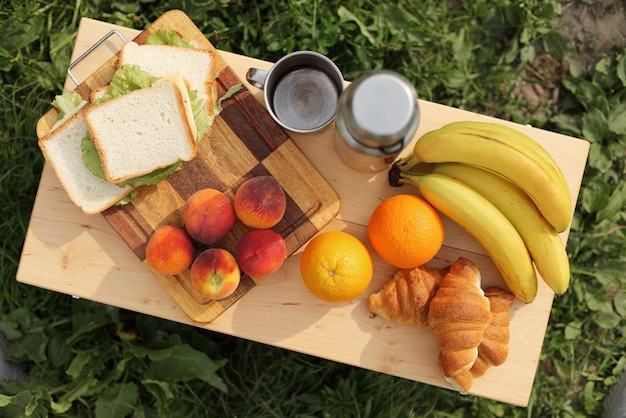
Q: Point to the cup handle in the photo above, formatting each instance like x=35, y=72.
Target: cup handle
x=256, y=77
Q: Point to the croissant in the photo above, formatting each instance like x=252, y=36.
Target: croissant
x=459, y=314
x=405, y=298
x=494, y=348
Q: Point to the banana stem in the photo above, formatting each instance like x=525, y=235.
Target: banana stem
x=407, y=163
x=411, y=179
x=397, y=177
x=394, y=176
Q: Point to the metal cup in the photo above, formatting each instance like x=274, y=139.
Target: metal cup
x=300, y=90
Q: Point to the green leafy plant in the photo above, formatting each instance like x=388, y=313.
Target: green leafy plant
x=586, y=338
x=137, y=368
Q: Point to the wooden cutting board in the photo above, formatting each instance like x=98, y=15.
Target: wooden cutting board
x=244, y=142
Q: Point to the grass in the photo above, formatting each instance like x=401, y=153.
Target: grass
x=85, y=359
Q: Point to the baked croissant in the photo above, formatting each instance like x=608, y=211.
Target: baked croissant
x=405, y=298
x=494, y=348
x=459, y=314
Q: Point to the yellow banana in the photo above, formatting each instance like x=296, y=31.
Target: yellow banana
x=543, y=241
x=481, y=219
x=504, y=155
x=522, y=141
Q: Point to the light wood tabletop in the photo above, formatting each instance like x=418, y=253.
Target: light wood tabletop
x=70, y=252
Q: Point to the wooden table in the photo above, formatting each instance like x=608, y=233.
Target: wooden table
x=81, y=255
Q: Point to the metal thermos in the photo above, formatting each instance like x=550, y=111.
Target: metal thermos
x=377, y=116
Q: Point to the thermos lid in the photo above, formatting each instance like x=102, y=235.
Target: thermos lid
x=380, y=109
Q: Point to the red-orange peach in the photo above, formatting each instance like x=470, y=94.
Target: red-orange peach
x=208, y=215
x=260, y=252
x=169, y=250
x=260, y=202
x=215, y=273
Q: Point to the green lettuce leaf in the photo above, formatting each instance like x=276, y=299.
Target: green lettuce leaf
x=154, y=177
x=231, y=91
x=167, y=37
x=200, y=116
x=126, y=199
x=126, y=79
x=66, y=103
x=91, y=159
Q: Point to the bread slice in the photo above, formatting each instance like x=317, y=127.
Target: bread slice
x=143, y=130
x=97, y=93
x=61, y=148
x=197, y=66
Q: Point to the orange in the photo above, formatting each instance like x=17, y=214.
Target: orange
x=336, y=266
x=405, y=231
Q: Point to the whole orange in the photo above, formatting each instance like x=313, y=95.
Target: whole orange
x=336, y=266
x=405, y=231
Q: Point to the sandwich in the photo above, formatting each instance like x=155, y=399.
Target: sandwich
x=62, y=149
x=136, y=130
x=144, y=130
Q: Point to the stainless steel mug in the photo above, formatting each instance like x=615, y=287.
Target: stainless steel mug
x=300, y=90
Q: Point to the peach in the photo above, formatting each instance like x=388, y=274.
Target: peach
x=215, y=273
x=260, y=202
x=260, y=252
x=208, y=215
x=169, y=250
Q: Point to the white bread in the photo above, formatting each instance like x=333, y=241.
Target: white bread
x=197, y=66
x=97, y=93
x=61, y=148
x=143, y=130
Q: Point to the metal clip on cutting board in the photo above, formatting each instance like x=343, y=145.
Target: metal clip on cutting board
x=90, y=50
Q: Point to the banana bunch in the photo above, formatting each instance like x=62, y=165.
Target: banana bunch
x=505, y=190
